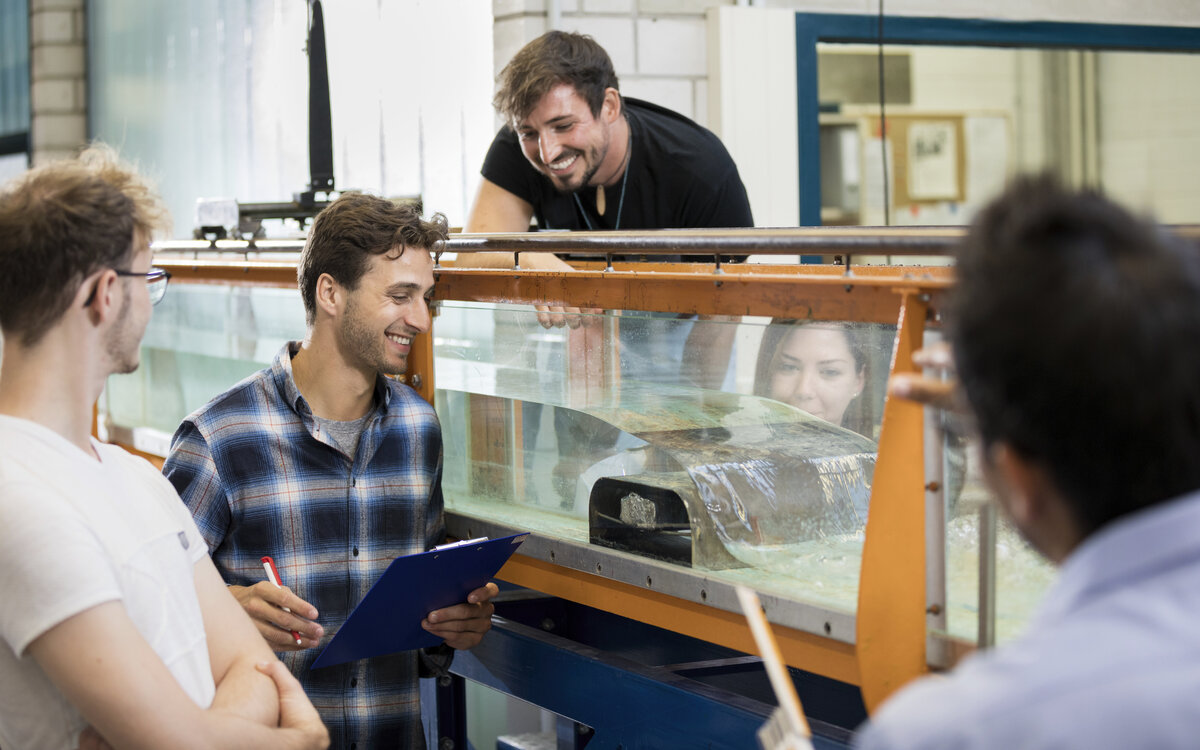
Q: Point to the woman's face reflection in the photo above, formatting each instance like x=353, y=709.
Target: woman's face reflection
x=814, y=370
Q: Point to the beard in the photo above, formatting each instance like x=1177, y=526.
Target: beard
x=122, y=343
x=364, y=345
x=593, y=159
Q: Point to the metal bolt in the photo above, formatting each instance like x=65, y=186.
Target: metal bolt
x=445, y=743
x=416, y=380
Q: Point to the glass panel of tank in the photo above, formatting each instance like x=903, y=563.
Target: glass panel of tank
x=742, y=447
x=745, y=446
x=201, y=339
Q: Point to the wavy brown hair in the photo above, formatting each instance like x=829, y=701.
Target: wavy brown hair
x=62, y=222
x=553, y=58
x=353, y=228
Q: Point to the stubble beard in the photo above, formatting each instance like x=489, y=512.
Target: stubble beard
x=595, y=157
x=123, y=348
x=566, y=189
x=365, y=345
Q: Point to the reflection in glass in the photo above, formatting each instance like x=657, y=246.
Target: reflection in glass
x=200, y=341
x=961, y=120
x=1022, y=575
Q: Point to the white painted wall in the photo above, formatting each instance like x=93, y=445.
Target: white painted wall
x=752, y=106
x=754, y=90
x=211, y=98
x=1151, y=161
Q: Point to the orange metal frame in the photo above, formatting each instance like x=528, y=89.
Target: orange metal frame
x=890, y=648
x=890, y=638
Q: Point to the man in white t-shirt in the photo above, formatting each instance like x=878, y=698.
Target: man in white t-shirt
x=107, y=588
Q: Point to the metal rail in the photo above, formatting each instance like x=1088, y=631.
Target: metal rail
x=844, y=241
x=716, y=242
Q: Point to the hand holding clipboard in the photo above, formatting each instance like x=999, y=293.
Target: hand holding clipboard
x=462, y=625
x=389, y=618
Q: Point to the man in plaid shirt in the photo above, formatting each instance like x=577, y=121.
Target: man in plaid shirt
x=334, y=470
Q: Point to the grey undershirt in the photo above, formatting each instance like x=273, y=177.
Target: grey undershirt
x=345, y=435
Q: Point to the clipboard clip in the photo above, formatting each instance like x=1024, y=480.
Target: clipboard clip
x=460, y=543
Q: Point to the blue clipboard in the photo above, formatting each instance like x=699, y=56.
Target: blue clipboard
x=388, y=619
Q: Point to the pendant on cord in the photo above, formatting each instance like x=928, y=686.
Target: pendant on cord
x=600, y=202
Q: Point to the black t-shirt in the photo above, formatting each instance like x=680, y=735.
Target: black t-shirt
x=679, y=176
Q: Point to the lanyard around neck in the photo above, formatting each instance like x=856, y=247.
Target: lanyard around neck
x=620, y=204
x=624, y=176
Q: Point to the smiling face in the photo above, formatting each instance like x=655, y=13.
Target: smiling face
x=386, y=310
x=814, y=370
x=563, y=140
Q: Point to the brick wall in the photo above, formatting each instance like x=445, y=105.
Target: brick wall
x=58, y=95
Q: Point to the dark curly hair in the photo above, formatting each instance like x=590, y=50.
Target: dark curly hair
x=1076, y=332
x=553, y=58
x=355, y=227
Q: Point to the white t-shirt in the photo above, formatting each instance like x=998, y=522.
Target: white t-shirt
x=74, y=533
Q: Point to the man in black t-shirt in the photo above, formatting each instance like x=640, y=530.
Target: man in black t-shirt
x=576, y=155
x=671, y=173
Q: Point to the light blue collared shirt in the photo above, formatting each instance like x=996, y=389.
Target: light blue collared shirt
x=1111, y=660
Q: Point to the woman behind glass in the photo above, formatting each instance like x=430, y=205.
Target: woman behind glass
x=821, y=368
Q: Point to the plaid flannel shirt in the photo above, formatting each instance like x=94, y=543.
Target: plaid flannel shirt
x=261, y=478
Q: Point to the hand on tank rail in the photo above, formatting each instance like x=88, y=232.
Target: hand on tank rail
x=571, y=317
x=929, y=390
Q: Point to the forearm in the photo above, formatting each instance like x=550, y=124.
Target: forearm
x=235, y=733
x=246, y=693
x=234, y=647
x=708, y=349
x=484, y=260
x=109, y=673
x=530, y=261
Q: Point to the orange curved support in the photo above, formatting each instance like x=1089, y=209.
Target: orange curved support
x=891, y=592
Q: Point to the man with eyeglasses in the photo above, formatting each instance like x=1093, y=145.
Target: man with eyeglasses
x=115, y=626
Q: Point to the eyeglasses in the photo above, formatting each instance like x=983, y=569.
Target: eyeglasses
x=156, y=283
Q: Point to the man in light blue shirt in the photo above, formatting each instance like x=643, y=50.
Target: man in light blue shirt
x=1076, y=335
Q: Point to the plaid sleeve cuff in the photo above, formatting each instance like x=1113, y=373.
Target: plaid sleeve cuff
x=435, y=661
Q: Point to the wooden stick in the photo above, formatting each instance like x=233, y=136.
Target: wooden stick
x=781, y=683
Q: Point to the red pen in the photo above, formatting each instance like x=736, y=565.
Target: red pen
x=273, y=577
